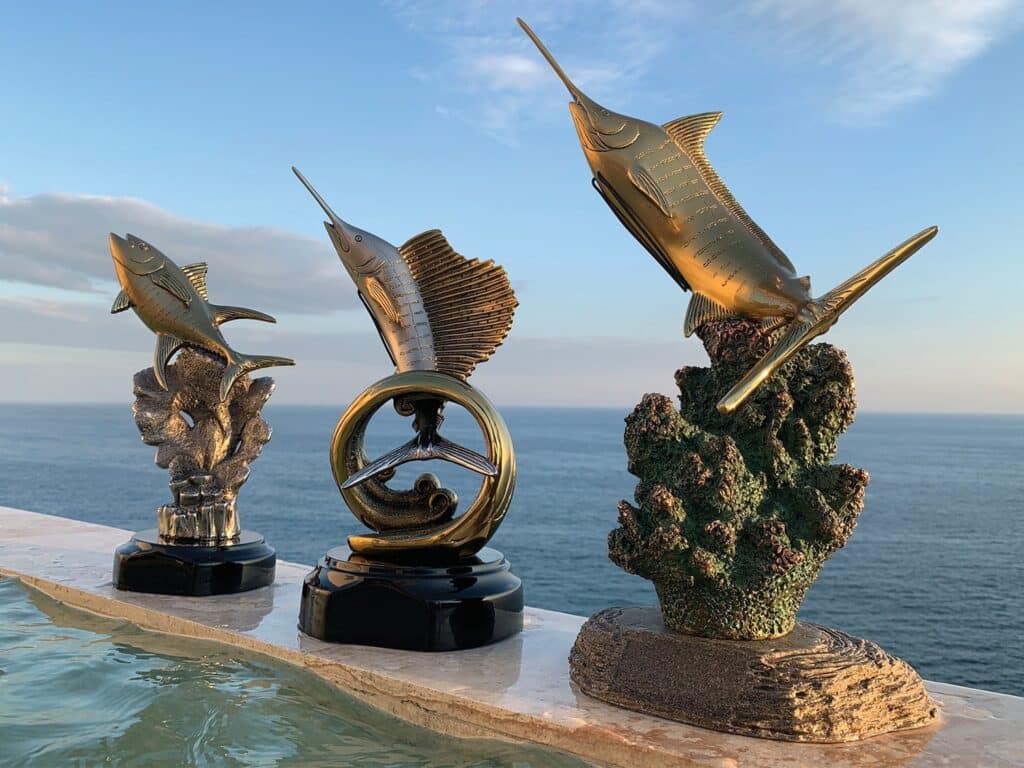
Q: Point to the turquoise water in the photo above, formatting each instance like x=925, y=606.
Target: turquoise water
x=80, y=690
x=933, y=572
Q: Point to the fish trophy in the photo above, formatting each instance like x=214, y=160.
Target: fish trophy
x=659, y=183
x=198, y=547
x=734, y=516
x=439, y=315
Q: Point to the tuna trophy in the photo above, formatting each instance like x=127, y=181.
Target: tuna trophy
x=198, y=547
x=439, y=315
x=659, y=183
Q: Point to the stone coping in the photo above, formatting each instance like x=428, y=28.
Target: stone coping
x=518, y=689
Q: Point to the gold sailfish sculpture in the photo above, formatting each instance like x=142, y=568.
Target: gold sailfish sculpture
x=435, y=310
x=659, y=183
x=172, y=302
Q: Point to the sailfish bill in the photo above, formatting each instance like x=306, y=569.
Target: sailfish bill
x=826, y=310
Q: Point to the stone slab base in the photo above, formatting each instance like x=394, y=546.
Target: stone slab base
x=815, y=684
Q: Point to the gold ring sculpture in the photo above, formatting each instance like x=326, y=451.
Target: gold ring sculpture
x=376, y=506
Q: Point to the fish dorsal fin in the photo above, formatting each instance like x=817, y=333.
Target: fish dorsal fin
x=166, y=346
x=469, y=303
x=121, y=303
x=643, y=181
x=703, y=310
x=171, y=283
x=379, y=296
x=196, y=274
x=693, y=129
x=689, y=133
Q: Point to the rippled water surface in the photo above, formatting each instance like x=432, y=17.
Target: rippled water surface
x=79, y=690
x=933, y=573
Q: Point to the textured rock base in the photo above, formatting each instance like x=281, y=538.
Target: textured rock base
x=815, y=684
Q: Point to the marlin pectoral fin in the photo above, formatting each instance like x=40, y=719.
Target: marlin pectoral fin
x=643, y=181
x=703, y=310
x=121, y=303
x=170, y=283
x=166, y=346
x=226, y=314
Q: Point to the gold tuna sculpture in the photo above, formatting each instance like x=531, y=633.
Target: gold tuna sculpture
x=659, y=183
x=172, y=302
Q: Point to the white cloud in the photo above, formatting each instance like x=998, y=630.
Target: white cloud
x=886, y=54
x=483, y=51
x=876, y=54
x=60, y=241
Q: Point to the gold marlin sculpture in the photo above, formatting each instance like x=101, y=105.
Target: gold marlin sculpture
x=171, y=301
x=662, y=188
x=435, y=310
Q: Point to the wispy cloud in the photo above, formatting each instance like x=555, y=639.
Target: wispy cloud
x=483, y=53
x=60, y=241
x=883, y=54
x=875, y=55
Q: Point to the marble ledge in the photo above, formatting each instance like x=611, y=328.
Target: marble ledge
x=516, y=690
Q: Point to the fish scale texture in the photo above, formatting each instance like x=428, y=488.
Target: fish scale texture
x=735, y=514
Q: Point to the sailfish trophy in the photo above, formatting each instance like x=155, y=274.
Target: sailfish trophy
x=659, y=183
x=439, y=315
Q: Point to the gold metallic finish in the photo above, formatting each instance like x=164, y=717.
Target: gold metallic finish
x=435, y=310
x=371, y=502
x=659, y=183
x=172, y=302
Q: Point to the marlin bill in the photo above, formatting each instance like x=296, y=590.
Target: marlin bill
x=172, y=302
x=661, y=186
x=435, y=310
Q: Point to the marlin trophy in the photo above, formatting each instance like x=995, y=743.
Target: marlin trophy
x=435, y=310
x=659, y=183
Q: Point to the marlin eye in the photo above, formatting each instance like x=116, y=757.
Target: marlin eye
x=605, y=113
x=359, y=238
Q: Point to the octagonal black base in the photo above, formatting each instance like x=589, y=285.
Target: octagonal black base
x=145, y=564
x=444, y=607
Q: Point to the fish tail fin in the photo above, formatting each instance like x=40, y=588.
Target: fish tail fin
x=225, y=314
x=242, y=364
x=420, y=449
x=822, y=315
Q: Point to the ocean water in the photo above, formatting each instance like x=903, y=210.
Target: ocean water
x=80, y=690
x=933, y=572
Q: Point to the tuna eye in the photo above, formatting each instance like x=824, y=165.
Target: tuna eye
x=359, y=238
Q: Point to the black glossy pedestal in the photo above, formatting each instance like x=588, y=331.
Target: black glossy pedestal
x=444, y=607
x=145, y=564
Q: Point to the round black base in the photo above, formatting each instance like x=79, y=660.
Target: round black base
x=145, y=564
x=350, y=599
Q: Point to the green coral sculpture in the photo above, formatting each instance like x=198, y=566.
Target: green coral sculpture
x=737, y=513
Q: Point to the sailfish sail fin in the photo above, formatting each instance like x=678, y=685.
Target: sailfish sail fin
x=689, y=134
x=825, y=311
x=469, y=303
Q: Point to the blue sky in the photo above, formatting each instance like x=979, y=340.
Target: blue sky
x=848, y=126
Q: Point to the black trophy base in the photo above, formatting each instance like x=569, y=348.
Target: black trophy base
x=147, y=564
x=347, y=598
